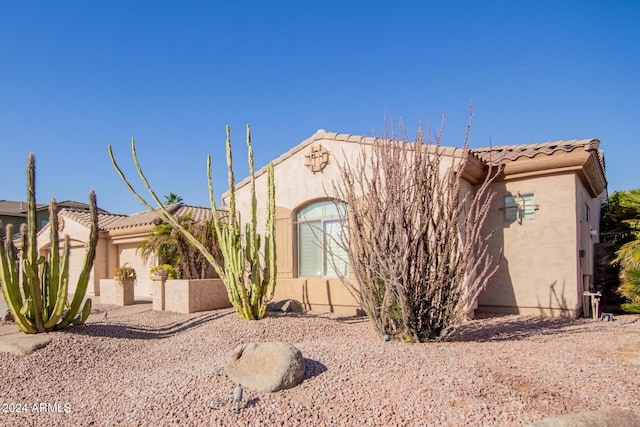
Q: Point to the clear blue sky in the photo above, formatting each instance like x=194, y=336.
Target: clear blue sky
x=76, y=76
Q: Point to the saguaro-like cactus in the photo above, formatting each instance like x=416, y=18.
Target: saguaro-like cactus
x=249, y=278
x=38, y=306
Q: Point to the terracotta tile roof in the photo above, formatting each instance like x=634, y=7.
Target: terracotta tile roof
x=84, y=218
x=152, y=217
x=495, y=155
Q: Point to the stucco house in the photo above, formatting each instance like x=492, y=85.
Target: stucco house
x=545, y=216
x=15, y=212
x=118, y=241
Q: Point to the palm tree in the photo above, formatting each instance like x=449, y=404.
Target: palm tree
x=624, y=214
x=160, y=242
x=174, y=249
x=171, y=199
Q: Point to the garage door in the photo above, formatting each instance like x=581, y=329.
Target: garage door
x=127, y=253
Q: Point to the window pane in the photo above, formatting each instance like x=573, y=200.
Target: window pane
x=521, y=206
x=324, y=209
x=319, y=240
x=309, y=249
x=336, y=260
x=529, y=206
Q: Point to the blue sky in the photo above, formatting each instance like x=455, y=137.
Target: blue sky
x=77, y=76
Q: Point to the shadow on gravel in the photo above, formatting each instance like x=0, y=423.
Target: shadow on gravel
x=313, y=368
x=356, y=319
x=111, y=330
x=513, y=328
x=251, y=402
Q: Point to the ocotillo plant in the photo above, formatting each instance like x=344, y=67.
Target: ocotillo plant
x=39, y=306
x=249, y=278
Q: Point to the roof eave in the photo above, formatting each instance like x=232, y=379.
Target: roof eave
x=585, y=163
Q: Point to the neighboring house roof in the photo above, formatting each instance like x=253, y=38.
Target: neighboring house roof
x=12, y=208
x=496, y=155
x=152, y=217
x=72, y=204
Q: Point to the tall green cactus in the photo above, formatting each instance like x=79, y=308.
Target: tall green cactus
x=39, y=305
x=250, y=279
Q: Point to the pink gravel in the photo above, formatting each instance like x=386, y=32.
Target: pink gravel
x=158, y=368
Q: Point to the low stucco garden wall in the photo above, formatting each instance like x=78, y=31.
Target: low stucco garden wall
x=116, y=293
x=317, y=294
x=190, y=296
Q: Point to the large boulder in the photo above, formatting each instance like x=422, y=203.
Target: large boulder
x=266, y=366
x=21, y=344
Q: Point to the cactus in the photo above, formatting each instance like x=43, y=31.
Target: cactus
x=250, y=279
x=39, y=306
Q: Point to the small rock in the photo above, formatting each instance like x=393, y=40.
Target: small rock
x=266, y=366
x=286, y=306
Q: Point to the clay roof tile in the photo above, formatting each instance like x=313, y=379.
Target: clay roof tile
x=495, y=155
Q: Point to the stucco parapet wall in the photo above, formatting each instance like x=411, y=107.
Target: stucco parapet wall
x=472, y=175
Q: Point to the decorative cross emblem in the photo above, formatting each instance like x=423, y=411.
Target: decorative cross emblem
x=317, y=158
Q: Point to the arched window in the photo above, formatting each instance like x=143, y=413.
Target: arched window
x=322, y=231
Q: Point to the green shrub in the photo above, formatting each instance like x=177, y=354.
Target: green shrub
x=172, y=273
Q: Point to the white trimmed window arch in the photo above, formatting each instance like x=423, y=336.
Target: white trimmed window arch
x=322, y=229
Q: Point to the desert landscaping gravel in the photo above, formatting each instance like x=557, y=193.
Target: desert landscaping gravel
x=163, y=369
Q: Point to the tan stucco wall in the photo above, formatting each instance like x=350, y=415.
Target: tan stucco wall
x=295, y=183
x=297, y=186
x=101, y=264
x=190, y=296
x=318, y=294
x=538, y=272
x=79, y=236
x=113, y=292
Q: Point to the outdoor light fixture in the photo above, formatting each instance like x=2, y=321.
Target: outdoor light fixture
x=237, y=397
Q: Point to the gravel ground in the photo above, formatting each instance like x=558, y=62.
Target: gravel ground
x=158, y=368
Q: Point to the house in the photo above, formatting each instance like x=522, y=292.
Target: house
x=15, y=213
x=118, y=240
x=545, y=217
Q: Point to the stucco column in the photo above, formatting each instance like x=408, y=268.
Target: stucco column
x=159, y=280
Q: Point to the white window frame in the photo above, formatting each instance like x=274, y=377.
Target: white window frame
x=520, y=207
x=314, y=227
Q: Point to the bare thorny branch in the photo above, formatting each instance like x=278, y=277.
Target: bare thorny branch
x=416, y=244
